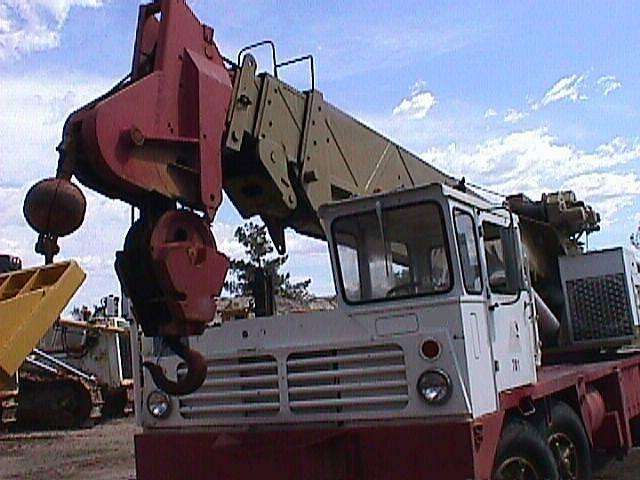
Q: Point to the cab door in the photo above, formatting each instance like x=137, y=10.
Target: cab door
x=510, y=309
x=474, y=313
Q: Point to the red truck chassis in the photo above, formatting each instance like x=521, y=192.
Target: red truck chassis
x=605, y=394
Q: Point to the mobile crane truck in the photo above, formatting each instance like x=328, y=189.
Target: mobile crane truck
x=470, y=340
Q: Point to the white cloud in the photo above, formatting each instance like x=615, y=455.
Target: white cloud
x=608, y=84
x=609, y=192
x=418, y=104
x=534, y=161
x=34, y=109
x=31, y=125
x=567, y=88
x=570, y=88
x=34, y=25
x=297, y=245
x=490, y=113
x=514, y=116
x=305, y=247
x=225, y=241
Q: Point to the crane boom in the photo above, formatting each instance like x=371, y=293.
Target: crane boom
x=288, y=152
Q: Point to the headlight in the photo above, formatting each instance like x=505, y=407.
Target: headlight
x=435, y=387
x=159, y=404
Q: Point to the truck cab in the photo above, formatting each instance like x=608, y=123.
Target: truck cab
x=434, y=319
x=447, y=267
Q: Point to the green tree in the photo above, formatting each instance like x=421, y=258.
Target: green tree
x=258, y=251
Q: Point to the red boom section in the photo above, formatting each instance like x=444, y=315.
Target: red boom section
x=153, y=141
x=163, y=132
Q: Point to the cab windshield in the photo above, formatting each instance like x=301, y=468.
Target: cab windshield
x=392, y=253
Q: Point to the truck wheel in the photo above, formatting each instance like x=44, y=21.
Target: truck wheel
x=568, y=441
x=523, y=454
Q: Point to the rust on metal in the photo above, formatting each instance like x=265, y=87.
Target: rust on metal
x=189, y=383
x=55, y=206
x=189, y=269
x=173, y=272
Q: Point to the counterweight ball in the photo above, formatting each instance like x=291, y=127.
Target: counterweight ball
x=55, y=206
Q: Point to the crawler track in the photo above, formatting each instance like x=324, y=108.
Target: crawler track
x=57, y=403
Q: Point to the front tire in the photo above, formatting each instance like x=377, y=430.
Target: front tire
x=568, y=441
x=523, y=454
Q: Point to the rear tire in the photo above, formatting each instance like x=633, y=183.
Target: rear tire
x=523, y=454
x=568, y=441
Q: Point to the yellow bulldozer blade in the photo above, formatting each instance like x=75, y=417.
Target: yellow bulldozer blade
x=30, y=302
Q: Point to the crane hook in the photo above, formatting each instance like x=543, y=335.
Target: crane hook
x=196, y=370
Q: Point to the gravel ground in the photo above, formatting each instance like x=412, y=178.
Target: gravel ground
x=106, y=453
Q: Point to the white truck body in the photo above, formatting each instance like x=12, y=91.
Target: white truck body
x=361, y=362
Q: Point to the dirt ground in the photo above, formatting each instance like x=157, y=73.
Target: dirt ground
x=106, y=453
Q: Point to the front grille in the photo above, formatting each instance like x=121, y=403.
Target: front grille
x=235, y=387
x=599, y=308
x=347, y=380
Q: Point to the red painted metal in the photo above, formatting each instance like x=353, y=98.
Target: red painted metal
x=616, y=428
x=630, y=385
x=163, y=132
x=189, y=269
x=486, y=435
x=609, y=436
x=54, y=206
x=593, y=410
x=153, y=141
x=617, y=383
x=555, y=378
x=444, y=451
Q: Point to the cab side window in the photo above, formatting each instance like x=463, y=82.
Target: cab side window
x=504, y=268
x=467, y=240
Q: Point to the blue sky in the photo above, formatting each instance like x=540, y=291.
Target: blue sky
x=517, y=96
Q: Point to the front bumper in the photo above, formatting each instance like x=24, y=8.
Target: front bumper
x=446, y=450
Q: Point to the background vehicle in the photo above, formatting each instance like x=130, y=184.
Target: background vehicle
x=58, y=372
x=97, y=342
x=8, y=387
x=36, y=388
x=431, y=364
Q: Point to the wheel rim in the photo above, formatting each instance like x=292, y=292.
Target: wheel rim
x=516, y=468
x=566, y=455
